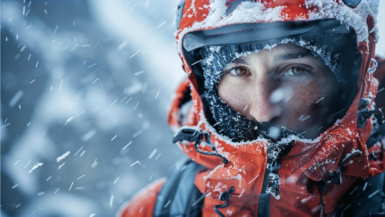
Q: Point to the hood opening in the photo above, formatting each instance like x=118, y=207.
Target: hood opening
x=267, y=35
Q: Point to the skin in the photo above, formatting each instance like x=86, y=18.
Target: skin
x=286, y=86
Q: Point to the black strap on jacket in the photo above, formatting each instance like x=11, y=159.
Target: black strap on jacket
x=264, y=198
x=179, y=197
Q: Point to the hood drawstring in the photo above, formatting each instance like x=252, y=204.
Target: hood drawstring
x=224, y=196
x=197, y=136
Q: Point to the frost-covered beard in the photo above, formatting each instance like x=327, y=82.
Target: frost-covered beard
x=229, y=122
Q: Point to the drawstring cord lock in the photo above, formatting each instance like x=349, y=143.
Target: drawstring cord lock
x=197, y=136
x=336, y=177
x=365, y=114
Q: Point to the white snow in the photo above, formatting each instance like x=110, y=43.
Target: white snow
x=111, y=200
x=246, y=12
x=68, y=120
x=275, y=177
x=16, y=98
x=349, y=154
x=35, y=167
x=152, y=153
x=62, y=156
x=354, y=18
x=61, y=166
x=136, y=162
x=281, y=94
x=71, y=186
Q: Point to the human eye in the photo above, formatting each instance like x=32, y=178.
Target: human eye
x=296, y=71
x=238, y=71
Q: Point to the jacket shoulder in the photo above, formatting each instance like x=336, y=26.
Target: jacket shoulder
x=143, y=203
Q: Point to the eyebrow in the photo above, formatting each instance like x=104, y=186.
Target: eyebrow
x=281, y=58
x=239, y=61
x=290, y=56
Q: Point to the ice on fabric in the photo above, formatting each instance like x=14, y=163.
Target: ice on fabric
x=353, y=18
x=250, y=12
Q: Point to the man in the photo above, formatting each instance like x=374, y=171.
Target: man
x=283, y=120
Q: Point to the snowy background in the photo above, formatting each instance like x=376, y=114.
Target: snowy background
x=85, y=90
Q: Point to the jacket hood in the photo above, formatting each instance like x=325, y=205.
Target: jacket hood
x=341, y=148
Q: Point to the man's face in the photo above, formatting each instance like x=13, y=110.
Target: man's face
x=286, y=86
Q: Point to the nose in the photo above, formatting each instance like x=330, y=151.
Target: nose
x=265, y=105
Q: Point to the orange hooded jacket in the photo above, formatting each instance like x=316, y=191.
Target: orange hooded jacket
x=341, y=147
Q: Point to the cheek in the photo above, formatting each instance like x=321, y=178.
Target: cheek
x=233, y=94
x=304, y=101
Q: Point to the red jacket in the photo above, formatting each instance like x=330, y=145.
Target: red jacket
x=142, y=204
